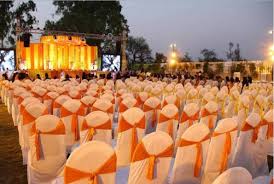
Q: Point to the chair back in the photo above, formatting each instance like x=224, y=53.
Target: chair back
x=96, y=126
x=235, y=175
x=131, y=129
x=151, y=159
x=47, y=145
x=191, y=154
x=221, y=149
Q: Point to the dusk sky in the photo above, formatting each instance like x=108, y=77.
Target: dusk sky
x=195, y=24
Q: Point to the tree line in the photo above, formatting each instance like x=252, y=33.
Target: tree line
x=100, y=17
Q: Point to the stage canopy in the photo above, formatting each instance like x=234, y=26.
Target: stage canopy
x=57, y=53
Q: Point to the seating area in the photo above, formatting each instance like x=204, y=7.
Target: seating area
x=140, y=131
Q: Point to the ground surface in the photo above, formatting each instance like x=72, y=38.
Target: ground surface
x=12, y=170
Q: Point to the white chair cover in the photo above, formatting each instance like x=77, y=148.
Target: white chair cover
x=189, y=116
x=151, y=108
x=131, y=128
x=48, y=142
x=221, y=149
x=32, y=111
x=209, y=114
x=250, y=152
x=191, y=155
x=96, y=126
x=151, y=159
x=57, y=104
x=72, y=114
x=92, y=162
x=168, y=120
x=235, y=175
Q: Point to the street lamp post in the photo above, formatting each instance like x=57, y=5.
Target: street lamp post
x=173, y=57
x=271, y=52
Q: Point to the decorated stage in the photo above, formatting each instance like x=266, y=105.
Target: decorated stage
x=57, y=53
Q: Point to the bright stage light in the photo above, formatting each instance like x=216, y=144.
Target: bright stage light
x=172, y=61
x=173, y=54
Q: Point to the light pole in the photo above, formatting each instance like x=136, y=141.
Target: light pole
x=173, y=58
x=271, y=53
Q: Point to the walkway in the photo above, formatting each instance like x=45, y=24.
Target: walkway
x=12, y=170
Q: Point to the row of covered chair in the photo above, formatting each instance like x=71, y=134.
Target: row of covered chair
x=102, y=111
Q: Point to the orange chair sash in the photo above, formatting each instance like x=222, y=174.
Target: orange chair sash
x=206, y=113
x=227, y=148
x=255, y=130
x=163, y=118
x=139, y=100
x=71, y=174
x=56, y=105
x=92, y=129
x=190, y=119
x=269, y=133
x=74, y=119
x=20, y=100
x=154, y=110
x=59, y=130
x=123, y=107
x=28, y=118
x=47, y=97
x=199, y=154
x=141, y=154
x=124, y=125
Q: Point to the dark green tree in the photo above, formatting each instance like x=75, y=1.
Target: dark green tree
x=138, y=50
x=22, y=13
x=230, y=53
x=186, y=58
x=237, y=53
x=5, y=19
x=208, y=55
x=160, y=58
x=98, y=17
x=234, y=55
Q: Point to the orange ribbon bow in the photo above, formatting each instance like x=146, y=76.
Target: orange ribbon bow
x=141, y=154
x=154, y=116
x=74, y=119
x=247, y=127
x=164, y=118
x=28, y=118
x=199, y=154
x=190, y=119
x=71, y=174
x=206, y=113
x=139, y=100
x=226, y=149
x=123, y=107
x=124, y=125
x=92, y=129
x=47, y=97
x=269, y=133
x=59, y=130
